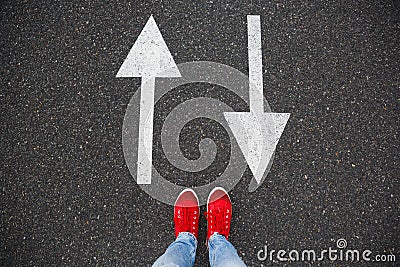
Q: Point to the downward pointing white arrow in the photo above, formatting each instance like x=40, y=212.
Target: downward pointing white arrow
x=148, y=58
x=256, y=132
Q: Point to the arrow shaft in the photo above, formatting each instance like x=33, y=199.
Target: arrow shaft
x=145, y=143
x=255, y=64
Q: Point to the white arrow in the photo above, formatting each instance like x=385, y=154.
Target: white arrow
x=148, y=58
x=256, y=132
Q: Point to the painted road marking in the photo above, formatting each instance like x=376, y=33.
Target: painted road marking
x=256, y=132
x=148, y=58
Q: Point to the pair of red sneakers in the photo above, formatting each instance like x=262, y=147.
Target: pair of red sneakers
x=219, y=213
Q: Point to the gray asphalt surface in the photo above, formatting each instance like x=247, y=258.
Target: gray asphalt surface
x=67, y=196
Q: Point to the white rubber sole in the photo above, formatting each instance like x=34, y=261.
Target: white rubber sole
x=215, y=189
x=188, y=190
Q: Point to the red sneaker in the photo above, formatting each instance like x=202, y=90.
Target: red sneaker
x=219, y=213
x=186, y=213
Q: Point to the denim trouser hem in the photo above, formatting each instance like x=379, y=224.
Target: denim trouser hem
x=182, y=252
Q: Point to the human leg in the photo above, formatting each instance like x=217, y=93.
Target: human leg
x=182, y=252
x=219, y=215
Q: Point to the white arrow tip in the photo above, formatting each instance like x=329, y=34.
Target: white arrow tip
x=257, y=137
x=149, y=56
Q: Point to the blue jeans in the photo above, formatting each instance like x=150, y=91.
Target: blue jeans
x=182, y=252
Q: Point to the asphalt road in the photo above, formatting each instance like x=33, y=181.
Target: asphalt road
x=67, y=197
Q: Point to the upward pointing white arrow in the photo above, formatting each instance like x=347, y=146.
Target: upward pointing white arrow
x=148, y=58
x=256, y=132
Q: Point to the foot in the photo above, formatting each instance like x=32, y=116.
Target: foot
x=219, y=213
x=186, y=213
